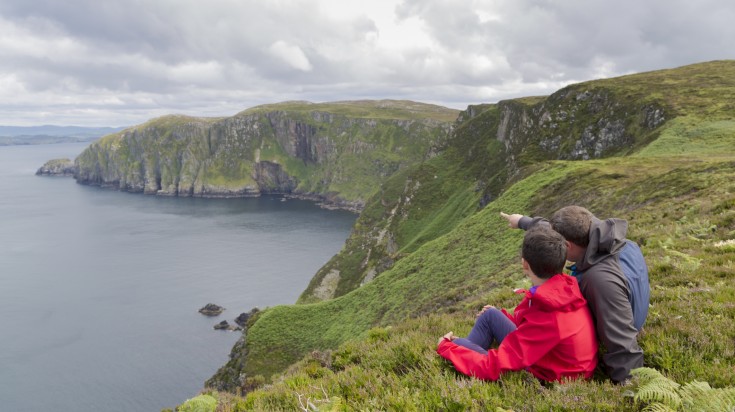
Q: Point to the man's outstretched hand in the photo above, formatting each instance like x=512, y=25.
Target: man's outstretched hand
x=512, y=219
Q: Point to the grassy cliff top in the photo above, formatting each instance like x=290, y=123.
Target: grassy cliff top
x=703, y=89
x=381, y=109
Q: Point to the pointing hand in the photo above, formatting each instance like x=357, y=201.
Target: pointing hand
x=512, y=219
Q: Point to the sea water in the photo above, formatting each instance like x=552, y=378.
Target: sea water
x=100, y=290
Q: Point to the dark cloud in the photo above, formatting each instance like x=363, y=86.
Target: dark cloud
x=126, y=60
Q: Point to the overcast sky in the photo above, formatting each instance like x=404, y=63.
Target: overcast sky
x=122, y=62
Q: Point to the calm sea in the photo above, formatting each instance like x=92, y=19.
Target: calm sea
x=99, y=290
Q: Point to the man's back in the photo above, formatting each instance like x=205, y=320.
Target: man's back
x=607, y=290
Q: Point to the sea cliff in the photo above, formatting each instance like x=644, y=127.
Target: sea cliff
x=335, y=153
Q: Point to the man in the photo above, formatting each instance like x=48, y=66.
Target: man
x=551, y=333
x=613, y=277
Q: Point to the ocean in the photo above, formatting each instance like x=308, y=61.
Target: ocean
x=100, y=290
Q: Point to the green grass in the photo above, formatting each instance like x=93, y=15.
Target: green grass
x=379, y=109
x=692, y=136
x=439, y=257
x=388, y=329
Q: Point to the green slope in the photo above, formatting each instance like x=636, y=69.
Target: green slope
x=372, y=348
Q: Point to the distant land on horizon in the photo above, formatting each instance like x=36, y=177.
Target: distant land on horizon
x=46, y=134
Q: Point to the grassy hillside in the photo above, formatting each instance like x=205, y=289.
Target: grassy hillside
x=493, y=145
x=338, y=153
x=373, y=347
x=368, y=109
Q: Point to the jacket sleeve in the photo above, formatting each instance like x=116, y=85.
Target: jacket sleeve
x=527, y=222
x=607, y=296
x=519, y=350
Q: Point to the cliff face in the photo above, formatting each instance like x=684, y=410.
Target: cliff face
x=57, y=167
x=339, y=158
x=490, y=145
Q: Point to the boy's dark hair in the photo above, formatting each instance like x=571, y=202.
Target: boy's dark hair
x=573, y=222
x=545, y=250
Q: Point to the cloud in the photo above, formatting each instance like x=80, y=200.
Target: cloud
x=291, y=54
x=123, y=61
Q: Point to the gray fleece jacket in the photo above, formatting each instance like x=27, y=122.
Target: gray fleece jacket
x=608, y=292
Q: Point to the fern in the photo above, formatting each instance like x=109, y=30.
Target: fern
x=654, y=387
x=661, y=394
x=701, y=397
x=658, y=407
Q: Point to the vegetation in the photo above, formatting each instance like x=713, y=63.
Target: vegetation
x=372, y=347
x=369, y=109
x=337, y=152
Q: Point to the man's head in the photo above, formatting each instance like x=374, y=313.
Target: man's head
x=573, y=222
x=545, y=251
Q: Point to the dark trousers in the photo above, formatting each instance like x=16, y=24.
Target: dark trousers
x=491, y=326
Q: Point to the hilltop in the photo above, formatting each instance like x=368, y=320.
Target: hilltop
x=336, y=153
x=429, y=248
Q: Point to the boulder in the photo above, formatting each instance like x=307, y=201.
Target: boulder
x=243, y=318
x=210, y=309
x=224, y=325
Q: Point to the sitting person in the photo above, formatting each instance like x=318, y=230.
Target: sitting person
x=550, y=333
x=612, y=276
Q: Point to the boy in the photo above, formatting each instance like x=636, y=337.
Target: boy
x=550, y=333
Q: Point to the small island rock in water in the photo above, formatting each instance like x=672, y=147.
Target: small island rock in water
x=210, y=309
x=224, y=325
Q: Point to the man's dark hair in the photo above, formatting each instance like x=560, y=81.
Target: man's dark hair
x=573, y=222
x=545, y=250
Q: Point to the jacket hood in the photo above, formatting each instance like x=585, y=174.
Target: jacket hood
x=607, y=237
x=559, y=293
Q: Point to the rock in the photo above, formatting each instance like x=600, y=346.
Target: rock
x=210, y=309
x=57, y=167
x=243, y=318
x=224, y=325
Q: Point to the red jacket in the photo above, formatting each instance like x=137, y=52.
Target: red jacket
x=555, y=337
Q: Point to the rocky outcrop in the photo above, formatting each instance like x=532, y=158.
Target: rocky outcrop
x=575, y=123
x=210, y=309
x=57, y=167
x=244, y=318
x=224, y=325
x=336, y=157
x=230, y=377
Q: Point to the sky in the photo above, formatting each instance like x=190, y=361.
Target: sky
x=123, y=62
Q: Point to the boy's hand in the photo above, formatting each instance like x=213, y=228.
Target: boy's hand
x=512, y=219
x=448, y=336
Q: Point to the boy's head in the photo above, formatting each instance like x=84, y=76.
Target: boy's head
x=545, y=251
x=573, y=222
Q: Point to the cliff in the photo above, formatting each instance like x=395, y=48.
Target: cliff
x=656, y=149
x=490, y=146
x=57, y=167
x=337, y=153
